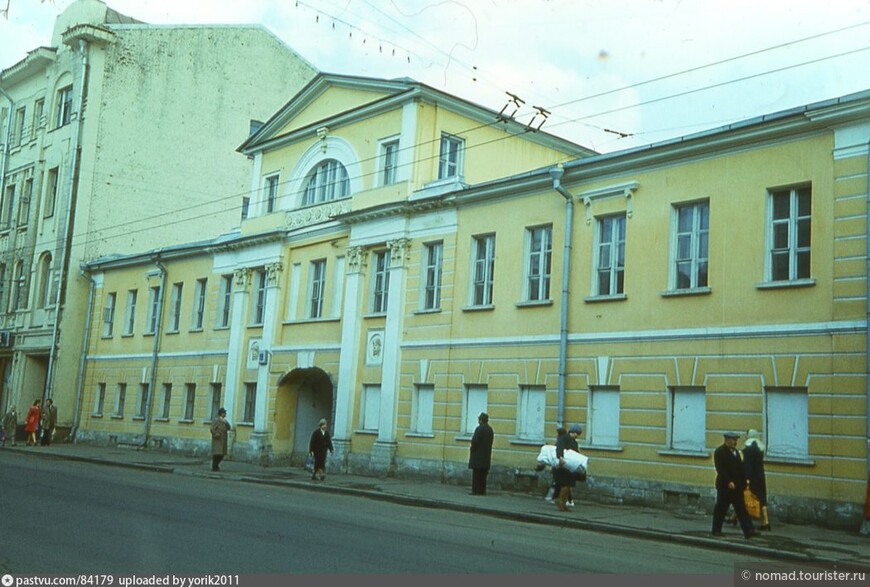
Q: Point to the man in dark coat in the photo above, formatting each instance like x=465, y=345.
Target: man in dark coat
x=49, y=421
x=220, y=429
x=480, y=455
x=318, y=444
x=730, y=483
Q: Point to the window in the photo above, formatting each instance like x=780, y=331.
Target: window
x=688, y=419
x=271, y=192
x=539, y=253
x=120, y=400
x=530, y=412
x=390, y=159
x=38, y=111
x=109, y=314
x=381, y=282
x=225, y=301
x=19, y=287
x=189, y=400
x=790, y=228
x=449, y=157
x=691, y=236
x=787, y=422
x=246, y=204
x=2, y=284
x=603, y=425
x=250, y=402
x=99, y=399
x=8, y=206
x=153, y=308
x=51, y=185
x=371, y=408
x=328, y=181
x=474, y=401
x=130, y=311
x=422, y=408
x=259, y=308
x=24, y=206
x=199, y=304
x=318, y=281
x=610, y=262
x=215, y=401
x=167, y=401
x=484, y=269
x=175, y=307
x=142, y=404
x=18, y=129
x=43, y=291
x=64, y=106
x=434, y=256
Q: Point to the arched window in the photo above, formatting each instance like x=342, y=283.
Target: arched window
x=328, y=181
x=19, y=288
x=44, y=276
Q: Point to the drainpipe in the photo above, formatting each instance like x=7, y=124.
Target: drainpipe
x=67, y=230
x=6, y=143
x=80, y=381
x=865, y=527
x=556, y=174
x=158, y=328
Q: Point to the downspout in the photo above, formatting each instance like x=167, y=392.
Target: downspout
x=865, y=526
x=80, y=382
x=556, y=174
x=158, y=328
x=70, y=220
x=6, y=143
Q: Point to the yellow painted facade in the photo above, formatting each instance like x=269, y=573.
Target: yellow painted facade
x=717, y=282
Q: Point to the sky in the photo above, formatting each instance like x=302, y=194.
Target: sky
x=608, y=74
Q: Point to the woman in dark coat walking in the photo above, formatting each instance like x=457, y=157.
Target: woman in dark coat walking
x=220, y=429
x=318, y=445
x=753, y=463
x=480, y=454
x=565, y=479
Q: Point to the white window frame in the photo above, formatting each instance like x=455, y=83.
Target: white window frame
x=791, y=249
x=423, y=408
x=482, y=270
x=142, y=403
x=474, y=401
x=24, y=204
x=175, y=307
x=64, y=106
x=690, y=245
x=380, y=281
x=18, y=129
x=531, y=412
x=602, y=425
x=786, y=412
x=328, y=181
x=189, y=402
x=538, y=265
x=450, y=156
x=130, y=312
x=687, y=419
x=198, y=311
x=316, y=288
x=216, y=396
x=271, y=184
x=370, y=410
x=52, y=181
x=9, y=205
x=389, y=161
x=433, y=264
x=109, y=314
x=610, y=255
x=250, y=405
x=153, y=308
x=120, y=400
x=226, y=301
x=166, y=402
x=258, y=308
x=43, y=290
x=99, y=399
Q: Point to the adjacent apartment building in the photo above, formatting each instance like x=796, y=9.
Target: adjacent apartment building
x=117, y=137
x=411, y=260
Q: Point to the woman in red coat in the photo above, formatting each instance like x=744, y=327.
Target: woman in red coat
x=31, y=424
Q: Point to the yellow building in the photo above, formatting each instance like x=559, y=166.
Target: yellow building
x=405, y=266
x=106, y=134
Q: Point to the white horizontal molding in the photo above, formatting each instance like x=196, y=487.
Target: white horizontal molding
x=621, y=190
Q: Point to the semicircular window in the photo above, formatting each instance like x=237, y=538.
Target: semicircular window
x=328, y=181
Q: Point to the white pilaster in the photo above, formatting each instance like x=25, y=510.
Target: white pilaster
x=399, y=250
x=237, y=351
x=351, y=320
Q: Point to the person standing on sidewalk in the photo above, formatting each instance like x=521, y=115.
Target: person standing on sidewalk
x=565, y=479
x=480, y=454
x=753, y=463
x=220, y=429
x=31, y=422
x=730, y=483
x=49, y=421
x=319, y=443
x=10, y=425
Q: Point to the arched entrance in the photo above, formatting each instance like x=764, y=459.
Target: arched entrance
x=305, y=395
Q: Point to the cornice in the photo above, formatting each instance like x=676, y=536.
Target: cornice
x=87, y=32
x=36, y=61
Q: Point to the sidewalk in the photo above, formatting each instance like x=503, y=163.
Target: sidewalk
x=787, y=542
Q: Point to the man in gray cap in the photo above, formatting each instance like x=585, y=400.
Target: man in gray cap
x=730, y=483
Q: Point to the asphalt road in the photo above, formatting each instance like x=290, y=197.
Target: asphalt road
x=60, y=516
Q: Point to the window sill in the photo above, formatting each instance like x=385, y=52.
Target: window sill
x=312, y=320
x=428, y=311
x=603, y=447
x=669, y=452
x=466, y=438
x=106, y=337
x=483, y=308
x=366, y=432
x=161, y=419
x=147, y=334
x=128, y=335
x=527, y=442
x=99, y=415
x=418, y=435
x=375, y=315
x=117, y=416
x=139, y=418
x=221, y=328
x=783, y=460
x=613, y=298
x=244, y=424
x=196, y=329
x=168, y=332
x=260, y=325
x=534, y=303
x=689, y=291
x=185, y=421
x=785, y=284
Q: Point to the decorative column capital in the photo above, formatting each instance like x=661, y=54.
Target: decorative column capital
x=400, y=251
x=241, y=278
x=273, y=273
x=356, y=259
